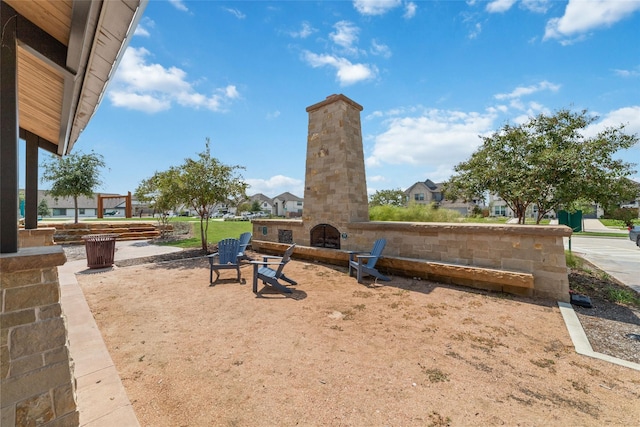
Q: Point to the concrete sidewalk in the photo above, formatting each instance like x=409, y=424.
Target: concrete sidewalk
x=594, y=225
x=102, y=399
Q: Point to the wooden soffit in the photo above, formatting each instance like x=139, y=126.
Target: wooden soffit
x=67, y=53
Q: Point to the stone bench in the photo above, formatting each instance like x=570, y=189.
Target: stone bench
x=513, y=282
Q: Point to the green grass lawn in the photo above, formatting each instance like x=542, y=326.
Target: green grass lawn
x=217, y=231
x=617, y=223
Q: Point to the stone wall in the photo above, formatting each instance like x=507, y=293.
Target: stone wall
x=71, y=233
x=494, y=251
x=37, y=385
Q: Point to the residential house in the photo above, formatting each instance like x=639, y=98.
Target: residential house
x=428, y=192
x=266, y=204
x=287, y=205
x=499, y=207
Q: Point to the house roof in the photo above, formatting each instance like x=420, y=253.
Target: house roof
x=261, y=198
x=67, y=51
x=428, y=185
x=288, y=197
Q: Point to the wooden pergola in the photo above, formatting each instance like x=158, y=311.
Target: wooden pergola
x=56, y=60
x=128, y=204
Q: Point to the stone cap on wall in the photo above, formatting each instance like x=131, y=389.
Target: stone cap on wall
x=33, y=258
x=333, y=98
x=471, y=228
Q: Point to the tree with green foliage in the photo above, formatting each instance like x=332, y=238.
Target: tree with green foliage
x=200, y=184
x=255, y=206
x=394, y=197
x=73, y=176
x=547, y=162
x=206, y=182
x=43, y=208
x=243, y=207
x=162, y=191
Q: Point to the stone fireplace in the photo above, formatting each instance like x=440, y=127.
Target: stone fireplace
x=325, y=236
x=524, y=260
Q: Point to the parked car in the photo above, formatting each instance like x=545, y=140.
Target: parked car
x=634, y=234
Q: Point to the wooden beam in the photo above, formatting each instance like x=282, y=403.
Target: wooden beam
x=31, y=183
x=42, y=143
x=8, y=131
x=39, y=43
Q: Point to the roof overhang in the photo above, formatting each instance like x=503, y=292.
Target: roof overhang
x=67, y=53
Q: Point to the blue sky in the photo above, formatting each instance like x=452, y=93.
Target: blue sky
x=431, y=75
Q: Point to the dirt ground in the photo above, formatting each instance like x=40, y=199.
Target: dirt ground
x=339, y=353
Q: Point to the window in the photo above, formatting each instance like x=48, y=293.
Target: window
x=299, y=203
x=418, y=196
x=500, y=210
x=80, y=211
x=59, y=212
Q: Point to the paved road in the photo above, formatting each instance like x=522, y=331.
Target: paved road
x=617, y=256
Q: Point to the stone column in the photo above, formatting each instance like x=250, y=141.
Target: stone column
x=335, y=182
x=37, y=386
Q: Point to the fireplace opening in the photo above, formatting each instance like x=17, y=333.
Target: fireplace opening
x=325, y=236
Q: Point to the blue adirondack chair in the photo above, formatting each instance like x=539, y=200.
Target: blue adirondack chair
x=245, y=238
x=262, y=270
x=365, y=262
x=227, y=257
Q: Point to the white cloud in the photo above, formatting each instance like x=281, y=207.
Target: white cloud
x=134, y=101
x=628, y=73
x=537, y=6
x=345, y=36
x=499, y=6
x=410, y=9
x=305, y=31
x=143, y=27
x=275, y=186
x=347, y=73
x=178, y=4
x=475, y=31
x=144, y=86
x=580, y=17
x=141, y=31
x=380, y=49
x=273, y=115
x=629, y=116
x=376, y=178
x=528, y=90
x=235, y=12
x=432, y=139
x=375, y=7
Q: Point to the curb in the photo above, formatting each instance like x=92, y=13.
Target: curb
x=581, y=342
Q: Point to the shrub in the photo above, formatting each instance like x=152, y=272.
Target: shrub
x=626, y=215
x=413, y=213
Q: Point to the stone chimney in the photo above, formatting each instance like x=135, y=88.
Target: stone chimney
x=335, y=183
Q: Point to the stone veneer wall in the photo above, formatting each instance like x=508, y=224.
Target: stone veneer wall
x=537, y=250
x=37, y=386
x=70, y=233
x=335, y=189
